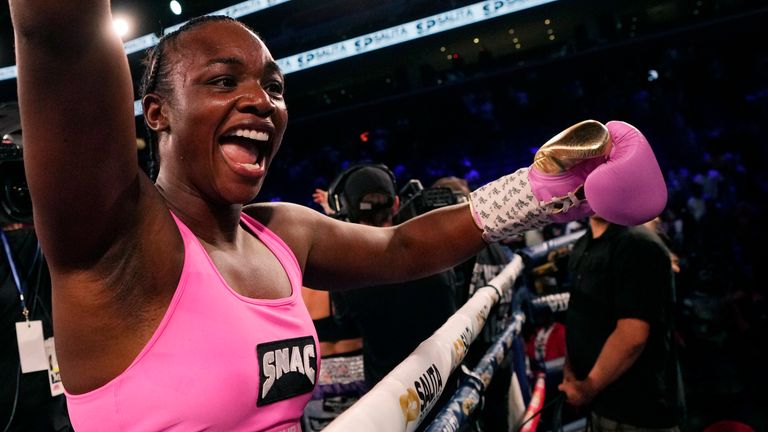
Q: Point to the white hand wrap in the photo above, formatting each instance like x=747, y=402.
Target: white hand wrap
x=507, y=206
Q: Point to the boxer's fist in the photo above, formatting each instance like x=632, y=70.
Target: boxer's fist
x=585, y=169
x=561, y=167
x=628, y=189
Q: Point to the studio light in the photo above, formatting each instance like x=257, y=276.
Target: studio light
x=121, y=26
x=175, y=7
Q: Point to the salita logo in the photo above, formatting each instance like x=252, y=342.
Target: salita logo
x=287, y=368
x=460, y=346
x=424, y=392
x=428, y=387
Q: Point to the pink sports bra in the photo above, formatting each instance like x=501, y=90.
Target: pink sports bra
x=218, y=361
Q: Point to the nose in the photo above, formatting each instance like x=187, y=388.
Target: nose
x=255, y=100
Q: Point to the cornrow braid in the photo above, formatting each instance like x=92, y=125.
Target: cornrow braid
x=156, y=77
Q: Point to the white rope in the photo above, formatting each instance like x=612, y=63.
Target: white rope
x=401, y=400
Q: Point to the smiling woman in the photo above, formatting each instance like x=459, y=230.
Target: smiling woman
x=157, y=283
x=245, y=144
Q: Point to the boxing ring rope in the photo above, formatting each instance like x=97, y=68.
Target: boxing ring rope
x=402, y=399
x=541, y=250
x=468, y=397
x=533, y=412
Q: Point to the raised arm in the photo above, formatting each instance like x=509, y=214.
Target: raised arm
x=75, y=96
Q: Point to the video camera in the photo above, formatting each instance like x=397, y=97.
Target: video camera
x=417, y=200
x=15, y=202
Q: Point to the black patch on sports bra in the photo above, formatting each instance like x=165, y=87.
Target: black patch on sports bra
x=287, y=368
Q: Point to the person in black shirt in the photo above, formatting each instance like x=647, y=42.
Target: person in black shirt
x=395, y=318
x=620, y=364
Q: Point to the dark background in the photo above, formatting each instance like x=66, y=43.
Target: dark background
x=484, y=111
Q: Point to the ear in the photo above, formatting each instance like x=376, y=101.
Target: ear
x=396, y=205
x=154, y=114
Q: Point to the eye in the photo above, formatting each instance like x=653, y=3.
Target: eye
x=274, y=88
x=225, y=82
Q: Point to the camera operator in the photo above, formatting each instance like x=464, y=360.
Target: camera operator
x=393, y=319
x=31, y=393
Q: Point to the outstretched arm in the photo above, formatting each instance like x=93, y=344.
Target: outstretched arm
x=75, y=95
x=419, y=247
x=338, y=254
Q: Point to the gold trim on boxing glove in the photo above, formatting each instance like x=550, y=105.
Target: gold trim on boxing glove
x=586, y=140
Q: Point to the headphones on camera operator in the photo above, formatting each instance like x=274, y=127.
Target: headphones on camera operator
x=15, y=203
x=345, y=199
x=345, y=195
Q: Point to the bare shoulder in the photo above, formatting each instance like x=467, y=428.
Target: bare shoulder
x=293, y=223
x=275, y=214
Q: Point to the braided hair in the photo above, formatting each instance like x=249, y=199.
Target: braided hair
x=157, y=70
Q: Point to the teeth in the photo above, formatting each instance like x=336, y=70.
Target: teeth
x=252, y=166
x=255, y=135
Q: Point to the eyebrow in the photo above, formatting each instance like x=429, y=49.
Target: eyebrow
x=273, y=66
x=270, y=65
x=224, y=60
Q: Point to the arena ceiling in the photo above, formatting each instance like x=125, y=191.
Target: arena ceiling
x=533, y=34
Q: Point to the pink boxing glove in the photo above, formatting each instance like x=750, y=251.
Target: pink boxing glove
x=585, y=169
x=561, y=166
x=628, y=189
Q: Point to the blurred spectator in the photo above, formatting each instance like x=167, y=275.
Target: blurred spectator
x=621, y=366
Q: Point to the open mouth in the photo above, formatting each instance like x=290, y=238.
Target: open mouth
x=246, y=148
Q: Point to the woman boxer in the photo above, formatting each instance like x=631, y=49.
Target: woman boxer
x=176, y=306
